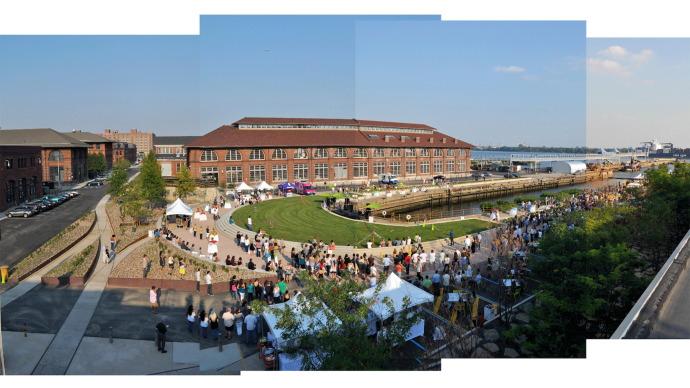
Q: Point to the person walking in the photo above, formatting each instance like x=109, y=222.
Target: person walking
x=452, y=237
x=145, y=263
x=112, y=242
x=213, y=319
x=153, y=298
x=249, y=223
x=191, y=317
x=161, y=328
x=228, y=322
x=104, y=255
x=207, y=232
x=209, y=285
x=198, y=280
x=194, y=230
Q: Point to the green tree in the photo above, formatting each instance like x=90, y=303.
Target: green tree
x=336, y=337
x=125, y=163
x=118, y=179
x=152, y=184
x=96, y=162
x=185, y=183
x=132, y=202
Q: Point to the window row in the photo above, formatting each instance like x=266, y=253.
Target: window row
x=17, y=191
x=322, y=153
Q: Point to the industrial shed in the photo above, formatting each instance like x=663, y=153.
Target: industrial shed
x=569, y=167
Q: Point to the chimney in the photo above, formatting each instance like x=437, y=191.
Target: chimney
x=402, y=139
x=416, y=139
x=443, y=140
x=431, y=140
x=455, y=141
x=386, y=138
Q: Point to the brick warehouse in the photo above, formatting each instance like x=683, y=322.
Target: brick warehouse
x=20, y=175
x=321, y=151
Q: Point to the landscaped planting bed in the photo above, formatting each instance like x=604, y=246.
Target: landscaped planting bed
x=54, y=247
x=76, y=269
x=122, y=229
x=131, y=267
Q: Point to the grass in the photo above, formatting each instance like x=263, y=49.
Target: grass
x=296, y=220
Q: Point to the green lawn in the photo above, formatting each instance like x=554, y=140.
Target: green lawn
x=301, y=222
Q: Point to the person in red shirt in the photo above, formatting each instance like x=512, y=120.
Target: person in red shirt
x=408, y=259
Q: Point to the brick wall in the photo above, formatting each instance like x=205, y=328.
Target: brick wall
x=16, y=175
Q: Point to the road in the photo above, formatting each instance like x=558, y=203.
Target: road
x=21, y=236
x=674, y=319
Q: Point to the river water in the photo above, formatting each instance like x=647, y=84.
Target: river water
x=540, y=154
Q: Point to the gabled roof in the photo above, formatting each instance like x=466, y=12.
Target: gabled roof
x=44, y=137
x=87, y=137
x=173, y=140
x=231, y=136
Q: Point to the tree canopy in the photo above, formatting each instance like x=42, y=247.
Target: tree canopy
x=151, y=180
x=96, y=162
x=118, y=179
x=185, y=183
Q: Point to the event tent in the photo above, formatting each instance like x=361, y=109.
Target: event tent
x=178, y=208
x=396, y=290
x=264, y=186
x=243, y=187
x=286, y=185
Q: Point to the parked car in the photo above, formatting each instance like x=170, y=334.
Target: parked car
x=54, y=199
x=439, y=177
x=305, y=188
x=96, y=182
x=73, y=193
x=488, y=174
x=511, y=176
x=33, y=207
x=43, y=205
x=19, y=212
x=64, y=196
x=388, y=179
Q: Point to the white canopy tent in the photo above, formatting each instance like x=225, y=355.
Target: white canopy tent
x=396, y=290
x=264, y=186
x=243, y=187
x=178, y=208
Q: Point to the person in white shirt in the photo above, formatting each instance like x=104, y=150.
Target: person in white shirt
x=469, y=271
x=386, y=263
x=249, y=223
x=228, y=321
x=432, y=259
x=250, y=320
x=479, y=241
x=446, y=280
x=468, y=242
x=198, y=280
x=409, y=241
x=422, y=259
x=372, y=271
x=209, y=285
x=369, y=243
x=372, y=281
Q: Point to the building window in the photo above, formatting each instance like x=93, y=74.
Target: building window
x=257, y=173
x=32, y=185
x=450, y=153
x=340, y=153
x=233, y=156
x=57, y=175
x=55, y=156
x=279, y=154
x=209, y=156
x=424, y=152
x=22, y=189
x=280, y=173
x=395, y=168
x=438, y=152
x=165, y=150
x=320, y=153
x=179, y=166
x=462, y=165
x=360, y=153
x=181, y=151
x=410, y=152
x=462, y=152
x=360, y=170
x=379, y=153
x=410, y=168
x=450, y=166
x=424, y=167
x=438, y=166
x=98, y=146
x=209, y=170
x=340, y=171
x=300, y=153
x=233, y=174
x=301, y=172
x=9, y=192
x=321, y=171
x=379, y=168
x=395, y=153
x=256, y=154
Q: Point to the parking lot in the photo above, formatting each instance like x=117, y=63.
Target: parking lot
x=21, y=236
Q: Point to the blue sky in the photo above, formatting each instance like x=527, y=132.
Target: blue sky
x=479, y=81
x=638, y=89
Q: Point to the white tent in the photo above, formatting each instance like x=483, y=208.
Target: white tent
x=264, y=186
x=178, y=208
x=396, y=290
x=307, y=323
x=639, y=176
x=243, y=187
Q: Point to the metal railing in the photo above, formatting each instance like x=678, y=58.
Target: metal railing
x=431, y=216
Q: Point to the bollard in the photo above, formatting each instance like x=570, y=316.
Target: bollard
x=111, y=334
x=24, y=329
x=220, y=343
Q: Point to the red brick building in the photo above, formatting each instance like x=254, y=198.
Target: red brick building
x=97, y=144
x=325, y=151
x=126, y=151
x=171, y=153
x=65, y=159
x=20, y=175
x=142, y=140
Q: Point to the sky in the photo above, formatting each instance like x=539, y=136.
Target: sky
x=638, y=89
x=541, y=83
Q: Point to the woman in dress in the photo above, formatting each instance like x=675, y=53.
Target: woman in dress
x=171, y=263
x=288, y=273
x=474, y=244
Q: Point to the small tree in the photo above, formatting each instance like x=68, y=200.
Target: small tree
x=96, y=163
x=118, y=180
x=185, y=183
x=152, y=183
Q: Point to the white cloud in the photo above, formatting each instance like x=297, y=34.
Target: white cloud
x=614, y=51
x=605, y=66
x=649, y=82
x=509, y=69
x=530, y=77
x=642, y=57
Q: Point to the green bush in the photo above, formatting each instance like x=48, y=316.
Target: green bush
x=526, y=199
x=503, y=202
x=546, y=194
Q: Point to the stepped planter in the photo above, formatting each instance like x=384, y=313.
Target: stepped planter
x=77, y=269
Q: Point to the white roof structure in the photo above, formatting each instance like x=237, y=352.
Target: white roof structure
x=178, y=208
x=264, y=186
x=568, y=166
x=243, y=187
x=308, y=324
x=396, y=290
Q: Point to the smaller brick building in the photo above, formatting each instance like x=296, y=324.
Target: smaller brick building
x=142, y=140
x=124, y=151
x=171, y=153
x=20, y=175
x=97, y=144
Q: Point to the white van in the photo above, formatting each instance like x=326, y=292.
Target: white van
x=388, y=179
